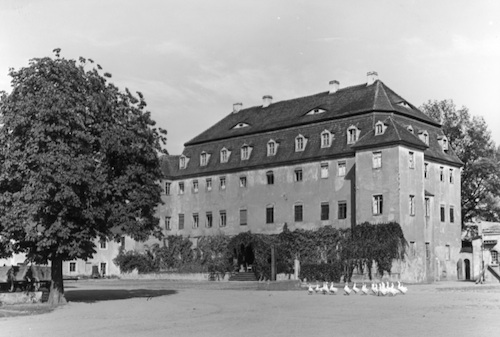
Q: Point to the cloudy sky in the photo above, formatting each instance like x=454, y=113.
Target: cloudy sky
x=193, y=59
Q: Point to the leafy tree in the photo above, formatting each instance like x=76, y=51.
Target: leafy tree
x=471, y=141
x=79, y=161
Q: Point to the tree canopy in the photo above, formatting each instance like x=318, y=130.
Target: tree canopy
x=471, y=140
x=79, y=161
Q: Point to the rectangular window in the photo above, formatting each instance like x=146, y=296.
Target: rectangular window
x=209, y=220
x=452, y=214
x=411, y=160
x=426, y=170
x=181, y=221
x=209, y=184
x=325, y=211
x=428, y=252
x=443, y=215
x=196, y=220
x=72, y=267
x=222, y=183
x=222, y=219
x=298, y=213
x=412, y=205
x=243, y=181
x=377, y=159
x=342, y=211
x=448, y=253
x=270, y=214
x=271, y=148
x=378, y=204
x=243, y=217
x=167, y=188
x=427, y=207
x=181, y=188
x=324, y=170
x=195, y=186
x=441, y=173
x=341, y=168
x=298, y=175
x=413, y=249
x=451, y=176
x=103, y=269
x=270, y=177
x=494, y=257
x=103, y=244
x=167, y=223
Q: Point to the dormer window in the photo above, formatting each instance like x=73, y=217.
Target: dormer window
x=326, y=139
x=240, y=125
x=224, y=155
x=409, y=128
x=245, y=152
x=315, y=111
x=204, y=157
x=379, y=128
x=443, y=141
x=424, y=136
x=183, y=162
x=352, y=134
x=272, y=148
x=404, y=105
x=300, y=143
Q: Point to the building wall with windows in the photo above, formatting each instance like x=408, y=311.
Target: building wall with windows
x=338, y=158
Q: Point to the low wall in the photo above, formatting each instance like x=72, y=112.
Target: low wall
x=170, y=276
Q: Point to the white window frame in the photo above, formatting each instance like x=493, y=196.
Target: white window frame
x=411, y=159
x=272, y=148
x=352, y=134
x=300, y=143
x=378, y=204
x=326, y=139
x=342, y=168
x=196, y=220
x=377, y=159
x=324, y=170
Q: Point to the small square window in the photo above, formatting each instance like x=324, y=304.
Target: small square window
x=243, y=181
x=324, y=170
x=298, y=175
x=298, y=213
x=103, y=244
x=377, y=159
x=269, y=214
x=325, y=211
x=341, y=168
x=378, y=203
x=342, y=211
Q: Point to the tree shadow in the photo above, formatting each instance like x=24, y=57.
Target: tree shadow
x=97, y=295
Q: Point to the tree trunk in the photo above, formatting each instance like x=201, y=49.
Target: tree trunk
x=56, y=295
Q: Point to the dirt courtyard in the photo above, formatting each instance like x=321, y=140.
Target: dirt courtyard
x=168, y=308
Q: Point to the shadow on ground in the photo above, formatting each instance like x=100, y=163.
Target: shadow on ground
x=96, y=295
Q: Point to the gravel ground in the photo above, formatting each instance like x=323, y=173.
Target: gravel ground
x=168, y=308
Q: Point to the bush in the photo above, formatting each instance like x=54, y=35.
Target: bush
x=327, y=272
x=128, y=261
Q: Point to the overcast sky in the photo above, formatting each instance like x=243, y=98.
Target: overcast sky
x=193, y=59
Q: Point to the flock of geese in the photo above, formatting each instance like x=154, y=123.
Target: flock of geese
x=378, y=289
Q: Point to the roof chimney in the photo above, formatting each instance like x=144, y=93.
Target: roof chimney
x=372, y=76
x=267, y=100
x=334, y=86
x=237, y=107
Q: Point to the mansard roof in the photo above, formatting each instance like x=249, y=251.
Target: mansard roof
x=345, y=102
x=361, y=106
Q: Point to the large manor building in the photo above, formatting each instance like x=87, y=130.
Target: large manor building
x=340, y=157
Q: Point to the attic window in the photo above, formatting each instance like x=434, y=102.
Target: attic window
x=246, y=151
x=224, y=155
x=405, y=105
x=379, y=128
x=409, y=128
x=204, y=158
x=272, y=147
x=300, y=143
x=424, y=136
x=315, y=111
x=443, y=141
x=183, y=162
x=352, y=134
x=326, y=139
x=240, y=125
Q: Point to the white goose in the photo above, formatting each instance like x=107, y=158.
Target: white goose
x=402, y=288
x=382, y=289
x=310, y=290
x=347, y=290
x=317, y=289
x=393, y=291
x=333, y=290
x=364, y=290
x=374, y=289
x=354, y=288
x=325, y=289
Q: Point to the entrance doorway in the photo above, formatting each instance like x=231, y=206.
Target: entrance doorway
x=246, y=257
x=467, y=269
